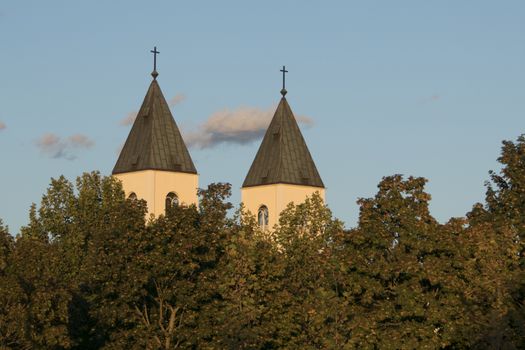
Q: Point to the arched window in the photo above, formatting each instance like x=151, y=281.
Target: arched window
x=132, y=196
x=262, y=217
x=172, y=201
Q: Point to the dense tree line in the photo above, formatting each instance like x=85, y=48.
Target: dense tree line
x=89, y=272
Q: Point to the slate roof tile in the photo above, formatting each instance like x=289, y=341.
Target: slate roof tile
x=283, y=156
x=154, y=141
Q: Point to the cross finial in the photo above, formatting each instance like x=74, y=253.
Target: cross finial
x=283, y=91
x=154, y=74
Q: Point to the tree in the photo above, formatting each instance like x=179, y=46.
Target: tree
x=404, y=293
x=168, y=278
x=50, y=271
x=88, y=272
x=33, y=299
x=493, y=288
x=279, y=290
x=501, y=224
x=11, y=310
x=505, y=197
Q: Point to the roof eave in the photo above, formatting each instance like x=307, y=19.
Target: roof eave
x=284, y=183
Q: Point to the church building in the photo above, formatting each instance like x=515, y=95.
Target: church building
x=155, y=164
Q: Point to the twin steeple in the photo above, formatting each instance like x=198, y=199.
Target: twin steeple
x=283, y=170
x=155, y=164
x=154, y=141
x=283, y=156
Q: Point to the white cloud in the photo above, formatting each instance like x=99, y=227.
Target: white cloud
x=240, y=126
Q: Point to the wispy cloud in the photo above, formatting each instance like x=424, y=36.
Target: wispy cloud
x=240, y=126
x=80, y=141
x=2, y=126
x=175, y=100
x=129, y=119
x=55, y=147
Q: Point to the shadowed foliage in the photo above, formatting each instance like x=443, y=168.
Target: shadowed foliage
x=88, y=272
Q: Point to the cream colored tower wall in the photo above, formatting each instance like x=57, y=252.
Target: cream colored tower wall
x=154, y=185
x=276, y=197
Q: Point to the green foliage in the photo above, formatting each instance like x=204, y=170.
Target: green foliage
x=6, y=246
x=505, y=198
x=88, y=272
x=398, y=262
x=501, y=223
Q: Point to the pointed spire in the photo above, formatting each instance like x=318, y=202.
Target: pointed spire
x=154, y=142
x=283, y=156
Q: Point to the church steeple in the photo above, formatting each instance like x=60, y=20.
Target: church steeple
x=283, y=170
x=283, y=156
x=154, y=141
x=154, y=163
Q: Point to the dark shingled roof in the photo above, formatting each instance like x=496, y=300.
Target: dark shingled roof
x=283, y=156
x=154, y=141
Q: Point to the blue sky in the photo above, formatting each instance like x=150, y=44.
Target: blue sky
x=423, y=88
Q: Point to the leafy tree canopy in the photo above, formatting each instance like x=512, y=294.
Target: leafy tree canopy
x=90, y=272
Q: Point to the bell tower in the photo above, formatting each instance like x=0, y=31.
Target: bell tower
x=283, y=170
x=154, y=163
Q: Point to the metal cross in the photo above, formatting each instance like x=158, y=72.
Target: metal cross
x=283, y=91
x=155, y=52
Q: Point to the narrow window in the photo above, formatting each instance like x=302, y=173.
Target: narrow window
x=172, y=201
x=132, y=196
x=262, y=217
